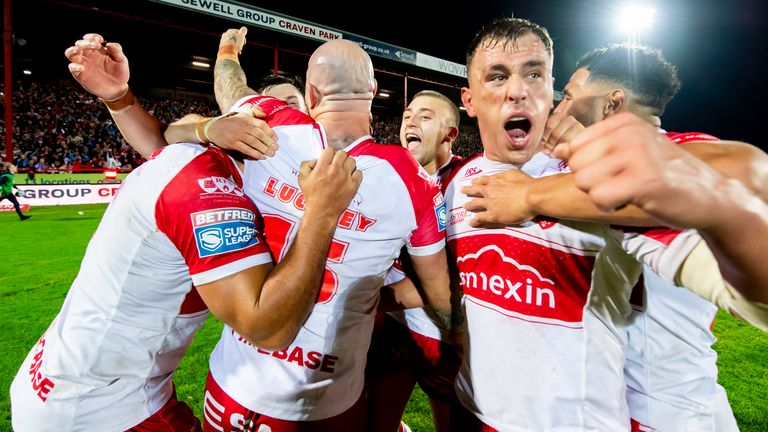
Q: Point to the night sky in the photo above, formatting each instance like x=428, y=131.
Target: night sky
x=719, y=47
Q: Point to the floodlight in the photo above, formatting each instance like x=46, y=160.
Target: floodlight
x=634, y=18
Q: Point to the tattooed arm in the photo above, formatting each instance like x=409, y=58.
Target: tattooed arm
x=229, y=81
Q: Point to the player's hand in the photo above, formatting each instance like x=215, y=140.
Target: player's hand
x=329, y=182
x=559, y=129
x=623, y=160
x=499, y=200
x=246, y=134
x=234, y=37
x=102, y=69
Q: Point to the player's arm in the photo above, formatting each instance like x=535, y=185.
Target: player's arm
x=700, y=274
x=733, y=159
x=229, y=81
x=512, y=197
x=268, y=306
x=736, y=231
x=236, y=131
x=434, y=280
x=400, y=295
x=103, y=71
x=621, y=160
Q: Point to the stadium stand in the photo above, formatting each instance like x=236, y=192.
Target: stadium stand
x=60, y=128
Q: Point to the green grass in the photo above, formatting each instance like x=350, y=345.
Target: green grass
x=40, y=258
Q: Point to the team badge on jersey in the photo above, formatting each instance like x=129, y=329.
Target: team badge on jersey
x=224, y=230
x=220, y=185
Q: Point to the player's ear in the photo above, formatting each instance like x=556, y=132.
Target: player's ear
x=466, y=99
x=615, y=102
x=313, y=96
x=452, y=133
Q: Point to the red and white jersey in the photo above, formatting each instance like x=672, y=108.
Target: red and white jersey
x=416, y=319
x=321, y=373
x=671, y=368
x=107, y=360
x=546, y=302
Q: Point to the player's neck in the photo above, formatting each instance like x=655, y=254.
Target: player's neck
x=646, y=114
x=442, y=156
x=344, y=128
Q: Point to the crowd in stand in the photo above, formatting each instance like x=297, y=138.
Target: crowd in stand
x=59, y=128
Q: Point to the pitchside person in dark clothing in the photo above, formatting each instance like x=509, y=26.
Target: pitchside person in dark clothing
x=6, y=188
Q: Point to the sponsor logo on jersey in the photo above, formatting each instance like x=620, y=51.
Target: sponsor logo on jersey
x=438, y=199
x=220, y=185
x=521, y=273
x=442, y=217
x=224, y=230
x=471, y=171
x=41, y=384
x=457, y=215
x=298, y=355
x=289, y=194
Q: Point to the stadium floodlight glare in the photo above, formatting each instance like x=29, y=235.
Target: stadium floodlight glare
x=634, y=18
x=27, y=72
x=201, y=64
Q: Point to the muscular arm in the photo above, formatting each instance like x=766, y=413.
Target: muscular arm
x=433, y=277
x=513, y=197
x=644, y=168
x=103, y=71
x=269, y=307
x=738, y=160
x=400, y=295
x=737, y=235
x=557, y=196
x=142, y=130
x=229, y=81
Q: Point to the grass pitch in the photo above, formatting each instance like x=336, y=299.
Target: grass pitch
x=40, y=258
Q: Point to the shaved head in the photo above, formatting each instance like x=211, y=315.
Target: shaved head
x=340, y=70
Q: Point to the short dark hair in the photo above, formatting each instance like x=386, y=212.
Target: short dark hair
x=275, y=80
x=642, y=70
x=508, y=29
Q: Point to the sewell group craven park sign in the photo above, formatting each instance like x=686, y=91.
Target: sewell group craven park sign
x=66, y=194
x=247, y=14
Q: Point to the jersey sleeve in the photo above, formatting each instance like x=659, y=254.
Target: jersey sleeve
x=395, y=273
x=701, y=273
x=205, y=214
x=663, y=249
x=431, y=217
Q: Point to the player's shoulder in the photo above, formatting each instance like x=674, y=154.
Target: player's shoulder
x=464, y=168
x=396, y=156
x=206, y=166
x=277, y=112
x=684, y=137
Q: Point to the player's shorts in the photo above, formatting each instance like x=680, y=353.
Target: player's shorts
x=174, y=416
x=221, y=413
x=394, y=348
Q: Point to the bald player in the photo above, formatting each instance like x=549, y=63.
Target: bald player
x=316, y=383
